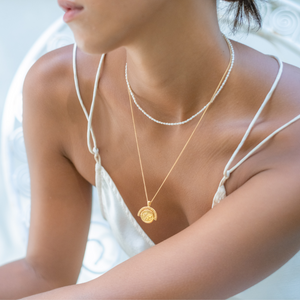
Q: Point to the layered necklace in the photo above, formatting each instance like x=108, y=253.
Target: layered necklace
x=148, y=213
x=197, y=113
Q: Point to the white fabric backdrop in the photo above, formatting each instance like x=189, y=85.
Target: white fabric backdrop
x=21, y=23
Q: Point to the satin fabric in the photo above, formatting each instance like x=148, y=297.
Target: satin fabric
x=125, y=228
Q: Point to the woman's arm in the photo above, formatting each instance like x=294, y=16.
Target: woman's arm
x=60, y=196
x=244, y=239
x=18, y=279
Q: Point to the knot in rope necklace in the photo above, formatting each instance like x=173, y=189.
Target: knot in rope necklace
x=147, y=213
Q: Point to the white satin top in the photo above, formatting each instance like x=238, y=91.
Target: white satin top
x=283, y=284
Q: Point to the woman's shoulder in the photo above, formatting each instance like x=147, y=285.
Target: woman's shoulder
x=258, y=75
x=289, y=88
x=281, y=114
x=50, y=77
x=285, y=106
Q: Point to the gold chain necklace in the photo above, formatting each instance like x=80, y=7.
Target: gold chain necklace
x=147, y=213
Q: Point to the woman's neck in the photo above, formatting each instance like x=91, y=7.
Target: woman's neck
x=176, y=61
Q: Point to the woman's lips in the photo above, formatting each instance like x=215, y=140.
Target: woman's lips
x=71, y=9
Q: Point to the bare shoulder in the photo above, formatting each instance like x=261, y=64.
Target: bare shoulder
x=49, y=80
x=285, y=106
x=49, y=92
x=52, y=76
x=282, y=109
x=56, y=63
x=281, y=151
x=288, y=91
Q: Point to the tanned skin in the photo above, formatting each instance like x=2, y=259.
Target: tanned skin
x=200, y=253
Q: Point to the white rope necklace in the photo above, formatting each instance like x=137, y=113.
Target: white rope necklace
x=196, y=114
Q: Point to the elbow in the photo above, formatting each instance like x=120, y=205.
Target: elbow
x=47, y=278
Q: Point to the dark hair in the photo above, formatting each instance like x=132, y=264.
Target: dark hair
x=245, y=8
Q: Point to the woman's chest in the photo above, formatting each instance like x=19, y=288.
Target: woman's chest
x=181, y=189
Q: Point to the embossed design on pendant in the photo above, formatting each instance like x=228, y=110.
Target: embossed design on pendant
x=147, y=214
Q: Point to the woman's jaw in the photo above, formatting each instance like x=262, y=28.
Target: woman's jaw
x=175, y=50
x=100, y=26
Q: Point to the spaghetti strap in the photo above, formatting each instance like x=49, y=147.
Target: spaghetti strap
x=221, y=192
x=256, y=116
x=263, y=142
x=90, y=133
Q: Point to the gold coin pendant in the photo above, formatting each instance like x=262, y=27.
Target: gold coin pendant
x=147, y=214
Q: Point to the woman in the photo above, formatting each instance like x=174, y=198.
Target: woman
x=178, y=63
